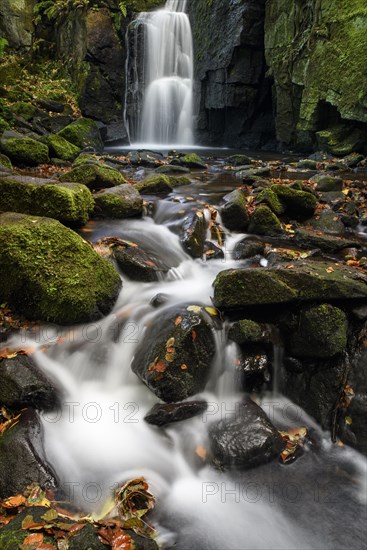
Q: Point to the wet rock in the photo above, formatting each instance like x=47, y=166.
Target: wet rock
x=248, y=248
x=268, y=197
x=238, y=160
x=252, y=370
x=358, y=413
x=48, y=272
x=194, y=234
x=299, y=205
x=119, y=202
x=170, y=169
x=70, y=203
x=94, y=175
x=159, y=300
x=321, y=332
x=352, y=160
x=246, y=440
x=175, y=359
x=22, y=384
x=305, y=282
x=148, y=159
x=249, y=332
x=327, y=184
x=328, y=222
x=51, y=105
x=22, y=459
x=61, y=148
x=212, y=251
x=5, y=162
x=25, y=151
x=83, y=133
x=307, y=164
x=306, y=238
x=161, y=415
x=137, y=264
x=264, y=222
x=192, y=161
x=234, y=212
x=155, y=185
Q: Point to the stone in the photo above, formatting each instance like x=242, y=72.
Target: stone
x=49, y=273
x=155, y=185
x=264, y=222
x=172, y=169
x=5, y=162
x=95, y=176
x=194, y=234
x=175, y=359
x=321, y=332
x=299, y=205
x=249, y=332
x=164, y=414
x=61, y=148
x=70, y=203
x=137, y=264
x=212, y=251
x=248, y=248
x=238, y=160
x=192, y=161
x=25, y=151
x=83, y=133
x=307, y=238
x=305, y=282
x=120, y=202
x=252, y=370
x=22, y=459
x=246, y=440
x=234, y=212
x=327, y=184
x=329, y=222
x=307, y=164
x=271, y=199
x=22, y=385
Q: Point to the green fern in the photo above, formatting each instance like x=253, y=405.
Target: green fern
x=123, y=8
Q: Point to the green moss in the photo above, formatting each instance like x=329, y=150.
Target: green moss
x=158, y=184
x=178, y=181
x=249, y=332
x=120, y=202
x=94, y=176
x=264, y=222
x=192, y=161
x=25, y=151
x=5, y=161
x=267, y=196
x=238, y=160
x=341, y=140
x=70, y=203
x=326, y=183
x=48, y=272
x=4, y=125
x=61, y=148
x=321, y=332
x=298, y=204
x=85, y=159
x=83, y=133
x=24, y=110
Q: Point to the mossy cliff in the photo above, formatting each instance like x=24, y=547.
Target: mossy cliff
x=317, y=51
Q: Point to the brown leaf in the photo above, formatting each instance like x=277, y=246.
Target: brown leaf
x=13, y=502
x=33, y=538
x=178, y=321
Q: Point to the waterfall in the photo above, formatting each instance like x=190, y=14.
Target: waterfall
x=160, y=95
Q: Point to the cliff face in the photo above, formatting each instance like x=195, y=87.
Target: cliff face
x=317, y=54
x=16, y=23
x=232, y=93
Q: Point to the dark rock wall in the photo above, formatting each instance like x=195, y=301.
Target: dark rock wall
x=233, y=95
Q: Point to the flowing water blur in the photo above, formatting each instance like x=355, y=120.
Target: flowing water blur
x=100, y=439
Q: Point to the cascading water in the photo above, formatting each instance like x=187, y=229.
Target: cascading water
x=162, y=92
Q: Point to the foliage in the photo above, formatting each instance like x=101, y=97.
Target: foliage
x=3, y=43
x=59, y=9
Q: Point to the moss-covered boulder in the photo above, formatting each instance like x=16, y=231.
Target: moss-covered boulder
x=83, y=133
x=238, y=160
x=234, y=212
x=271, y=199
x=119, y=202
x=341, y=140
x=61, y=148
x=171, y=169
x=192, y=161
x=194, y=234
x=70, y=203
x=5, y=162
x=25, y=151
x=94, y=176
x=307, y=281
x=327, y=184
x=249, y=332
x=4, y=124
x=25, y=110
x=158, y=184
x=299, y=205
x=49, y=273
x=264, y=222
x=306, y=238
x=321, y=332
x=175, y=358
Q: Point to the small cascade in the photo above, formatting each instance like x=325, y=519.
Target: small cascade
x=160, y=94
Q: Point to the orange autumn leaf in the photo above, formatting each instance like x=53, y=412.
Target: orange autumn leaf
x=13, y=502
x=201, y=452
x=34, y=538
x=178, y=321
x=193, y=335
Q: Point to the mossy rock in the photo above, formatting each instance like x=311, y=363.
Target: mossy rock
x=194, y=231
x=238, y=160
x=192, y=161
x=119, y=202
x=321, y=332
x=83, y=133
x=49, y=273
x=24, y=110
x=70, y=203
x=61, y=148
x=300, y=205
x=85, y=158
x=179, y=181
x=25, y=151
x=271, y=199
x=328, y=184
x=5, y=161
x=307, y=164
x=158, y=184
x=94, y=176
x=264, y=222
x=169, y=169
x=234, y=212
x=341, y=141
x=249, y=332
x=306, y=282
x=4, y=124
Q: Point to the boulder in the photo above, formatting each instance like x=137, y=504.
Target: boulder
x=234, y=212
x=22, y=459
x=5, y=162
x=95, y=176
x=22, y=384
x=321, y=332
x=327, y=184
x=329, y=222
x=61, y=148
x=164, y=414
x=264, y=222
x=238, y=160
x=119, y=202
x=247, y=439
x=155, y=185
x=174, y=360
x=271, y=199
x=252, y=370
x=25, y=151
x=305, y=282
x=70, y=203
x=148, y=159
x=249, y=332
x=137, y=264
x=170, y=169
x=248, y=248
x=83, y=133
x=49, y=273
x=307, y=238
x=194, y=234
x=299, y=205
x=192, y=161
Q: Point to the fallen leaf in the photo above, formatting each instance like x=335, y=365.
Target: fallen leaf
x=195, y=309
x=178, y=321
x=201, y=452
x=13, y=502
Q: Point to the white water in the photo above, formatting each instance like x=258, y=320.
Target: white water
x=167, y=111
x=100, y=438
